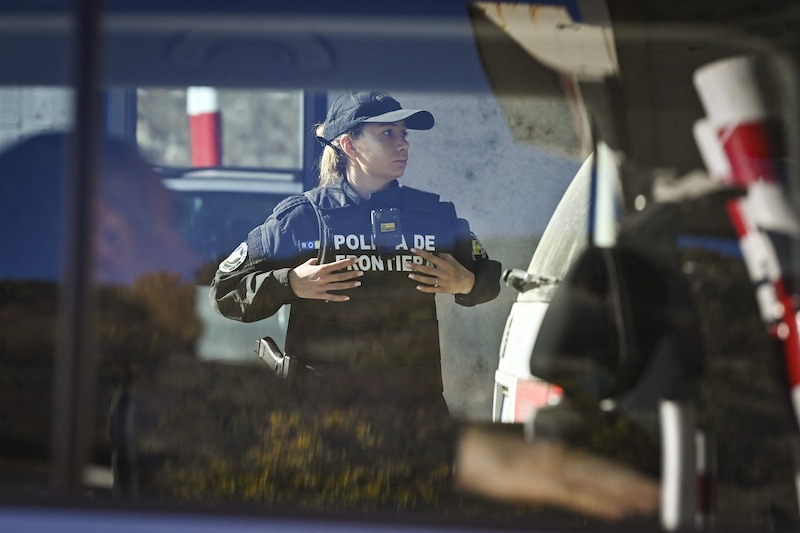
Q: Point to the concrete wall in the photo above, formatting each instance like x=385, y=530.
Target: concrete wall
x=508, y=191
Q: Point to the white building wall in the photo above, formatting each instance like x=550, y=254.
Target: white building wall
x=508, y=190
x=24, y=111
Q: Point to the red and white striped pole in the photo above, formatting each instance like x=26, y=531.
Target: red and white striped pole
x=706, y=469
x=205, y=126
x=739, y=109
x=712, y=152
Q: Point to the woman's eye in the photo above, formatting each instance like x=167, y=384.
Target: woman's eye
x=390, y=133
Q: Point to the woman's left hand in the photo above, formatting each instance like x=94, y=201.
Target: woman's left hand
x=446, y=275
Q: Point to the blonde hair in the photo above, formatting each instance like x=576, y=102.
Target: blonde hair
x=333, y=161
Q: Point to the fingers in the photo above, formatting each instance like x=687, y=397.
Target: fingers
x=446, y=275
x=336, y=273
x=437, y=262
x=435, y=274
x=430, y=284
x=435, y=265
x=319, y=289
x=315, y=282
x=333, y=285
x=426, y=255
x=337, y=265
x=432, y=280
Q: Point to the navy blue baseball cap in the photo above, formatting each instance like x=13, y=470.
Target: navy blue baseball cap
x=356, y=107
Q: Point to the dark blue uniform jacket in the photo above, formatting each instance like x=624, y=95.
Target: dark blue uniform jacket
x=387, y=323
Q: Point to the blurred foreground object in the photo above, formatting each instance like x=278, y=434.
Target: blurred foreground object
x=505, y=467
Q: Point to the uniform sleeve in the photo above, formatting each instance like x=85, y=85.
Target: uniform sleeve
x=253, y=282
x=471, y=253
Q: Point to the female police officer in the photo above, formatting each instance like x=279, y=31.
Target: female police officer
x=360, y=259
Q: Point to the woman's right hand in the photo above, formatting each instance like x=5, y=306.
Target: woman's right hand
x=313, y=281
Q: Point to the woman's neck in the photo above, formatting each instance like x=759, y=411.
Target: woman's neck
x=364, y=185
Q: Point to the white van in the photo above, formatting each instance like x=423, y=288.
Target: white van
x=516, y=391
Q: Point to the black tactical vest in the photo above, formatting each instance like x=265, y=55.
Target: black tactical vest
x=387, y=322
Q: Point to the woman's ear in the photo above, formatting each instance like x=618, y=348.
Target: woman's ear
x=348, y=146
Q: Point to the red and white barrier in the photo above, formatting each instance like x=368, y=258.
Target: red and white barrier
x=706, y=468
x=732, y=93
x=738, y=104
x=205, y=126
x=712, y=152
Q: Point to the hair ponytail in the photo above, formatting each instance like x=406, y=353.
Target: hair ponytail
x=333, y=161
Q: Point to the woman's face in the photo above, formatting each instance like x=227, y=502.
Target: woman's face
x=382, y=150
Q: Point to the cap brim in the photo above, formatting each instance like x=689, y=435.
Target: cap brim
x=416, y=119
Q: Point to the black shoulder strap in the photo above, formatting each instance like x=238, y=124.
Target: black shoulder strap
x=287, y=204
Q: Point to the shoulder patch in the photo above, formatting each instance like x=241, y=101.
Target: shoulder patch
x=478, y=251
x=235, y=260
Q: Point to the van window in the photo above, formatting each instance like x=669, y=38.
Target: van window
x=208, y=111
